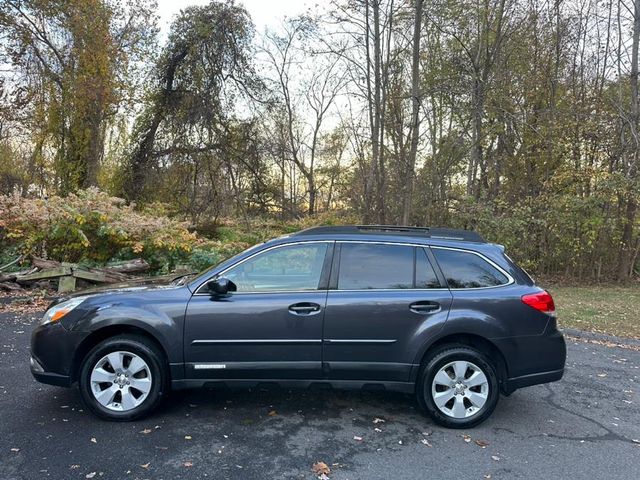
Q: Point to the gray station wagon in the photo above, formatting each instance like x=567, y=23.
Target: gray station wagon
x=438, y=313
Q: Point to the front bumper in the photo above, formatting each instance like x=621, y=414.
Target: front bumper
x=49, y=378
x=52, y=352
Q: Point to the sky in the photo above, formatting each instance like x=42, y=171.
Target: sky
x=264, y=13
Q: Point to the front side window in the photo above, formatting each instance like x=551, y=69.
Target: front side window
x=373, y=266
x=467, y=270
x=289, y=268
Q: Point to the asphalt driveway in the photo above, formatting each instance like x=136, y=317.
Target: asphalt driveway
x=585, y=426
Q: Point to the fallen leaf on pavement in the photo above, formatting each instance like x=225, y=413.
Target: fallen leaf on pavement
x=146, y=465
x=15, y=449
x=357, y=438
x=488, y=475
x=378, y=420
x=602, y=375
x=466, y=438
x=188, y=464
x=187, y=437
x=377, y=430
x=90, y=475
x=93, y=440
x=482, y=443
x=321, y=468
x=424, y=441
x=146, y=431
x=495, y=457
x=272, y=413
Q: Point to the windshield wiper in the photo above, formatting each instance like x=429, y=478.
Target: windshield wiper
x=180, y=279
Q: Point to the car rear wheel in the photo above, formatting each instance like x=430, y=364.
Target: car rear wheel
x=123, y=378
x=458, y=386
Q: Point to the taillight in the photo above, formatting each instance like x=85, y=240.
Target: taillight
x=542, y=301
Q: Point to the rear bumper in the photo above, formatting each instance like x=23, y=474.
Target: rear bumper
x=532, y=360
x=512, y=384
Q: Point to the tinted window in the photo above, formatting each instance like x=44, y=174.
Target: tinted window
x=291, y=268
x=369, y=266
x=467, y=270
x=425, y=275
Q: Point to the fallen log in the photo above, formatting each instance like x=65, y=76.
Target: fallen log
x=47, y=273
x=11, y=277
x=43, y=264
x=100, y=275
x=136, y=265
x=128, y=266
x=9, y=286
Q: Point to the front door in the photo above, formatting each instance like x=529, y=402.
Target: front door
x=271, y=327
x=382, y=298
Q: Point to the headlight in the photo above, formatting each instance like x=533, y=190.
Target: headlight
x=58, y=311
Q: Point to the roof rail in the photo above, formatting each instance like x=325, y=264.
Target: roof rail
x=427, y=232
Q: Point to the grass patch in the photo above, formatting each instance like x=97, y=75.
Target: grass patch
x=611, y=310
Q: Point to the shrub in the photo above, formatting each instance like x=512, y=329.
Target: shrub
x=92, y=227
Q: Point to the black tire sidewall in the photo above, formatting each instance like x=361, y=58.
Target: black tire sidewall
x=139, y=346
x=437, y=361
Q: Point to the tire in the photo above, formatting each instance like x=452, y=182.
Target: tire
x=469, y=392
x=128, y=373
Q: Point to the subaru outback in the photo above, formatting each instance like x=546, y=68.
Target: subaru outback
x=438, y=313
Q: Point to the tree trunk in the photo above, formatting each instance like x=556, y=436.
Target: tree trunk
x=376, y=127
x=415, y=113
x=476, y=137
x=625, y=269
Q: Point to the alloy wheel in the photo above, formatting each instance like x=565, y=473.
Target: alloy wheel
x=460, y=389
x=120, y=381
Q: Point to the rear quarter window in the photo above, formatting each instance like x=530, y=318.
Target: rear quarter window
x=468, y=270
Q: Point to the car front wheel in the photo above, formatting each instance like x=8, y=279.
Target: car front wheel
x=123, y=378
x=458, y=387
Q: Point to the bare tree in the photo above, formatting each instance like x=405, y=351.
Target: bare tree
x=315, y=94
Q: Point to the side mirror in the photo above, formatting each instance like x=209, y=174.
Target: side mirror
x=221, y=286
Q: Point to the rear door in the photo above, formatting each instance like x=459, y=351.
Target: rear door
x=382, y=299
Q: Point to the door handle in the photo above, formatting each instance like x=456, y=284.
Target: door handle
x=425, y=306
x=304, y=308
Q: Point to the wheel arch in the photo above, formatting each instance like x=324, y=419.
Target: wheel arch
x=471, y=340
x=109, y=331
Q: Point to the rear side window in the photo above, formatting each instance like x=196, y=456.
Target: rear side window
x=467, y=270
x=373, y=266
